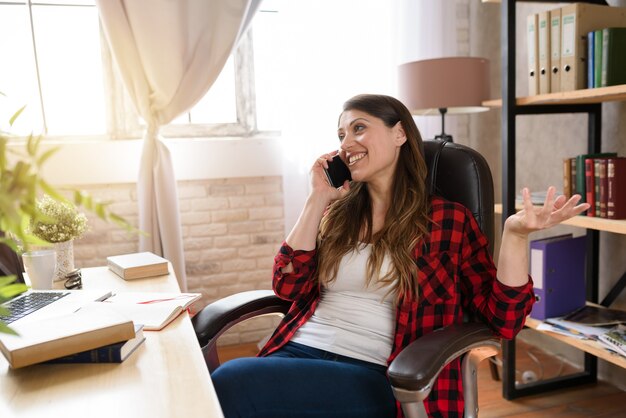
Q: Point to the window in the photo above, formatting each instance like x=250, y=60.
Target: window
x=57, y=62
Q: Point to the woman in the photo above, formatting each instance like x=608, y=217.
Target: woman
x=370, y=267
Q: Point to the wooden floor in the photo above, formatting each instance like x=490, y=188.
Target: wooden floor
x=597, y=400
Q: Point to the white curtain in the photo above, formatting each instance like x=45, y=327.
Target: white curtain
x=169, y=54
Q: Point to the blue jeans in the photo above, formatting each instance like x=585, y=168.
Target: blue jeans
x=303, y=382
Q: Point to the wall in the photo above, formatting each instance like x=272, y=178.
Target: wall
x=231, y=231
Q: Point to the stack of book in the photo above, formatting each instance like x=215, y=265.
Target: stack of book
x=600, y=179
x=92, y=334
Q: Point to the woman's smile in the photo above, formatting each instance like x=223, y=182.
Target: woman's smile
x=352, y=159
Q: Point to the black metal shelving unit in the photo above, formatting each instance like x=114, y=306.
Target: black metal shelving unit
x=510, y=109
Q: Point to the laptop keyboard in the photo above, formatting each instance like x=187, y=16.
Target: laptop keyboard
x=29, y=303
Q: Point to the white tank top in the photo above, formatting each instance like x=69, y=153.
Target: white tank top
x=351, y=319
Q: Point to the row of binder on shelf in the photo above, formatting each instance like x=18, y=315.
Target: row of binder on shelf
x=558, y=50
x=600, y=179
x=606, y=52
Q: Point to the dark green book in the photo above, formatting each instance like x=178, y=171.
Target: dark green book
x=613, y=57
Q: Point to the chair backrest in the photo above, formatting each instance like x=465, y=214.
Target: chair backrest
x=460, y=174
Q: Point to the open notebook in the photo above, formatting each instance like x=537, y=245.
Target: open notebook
x=152, y=309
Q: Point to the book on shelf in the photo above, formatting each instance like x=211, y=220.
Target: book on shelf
x=616, y=188
x=572, y=167
x=596, y=316
x=615, y=339
x=138, y=265
x=112, y=353
x=597, y=58
x=613, y=66
x=591, y=67
x=590, y=195
x=89, y=327
x=602, y=187
x=567, y=178
x=152, y=309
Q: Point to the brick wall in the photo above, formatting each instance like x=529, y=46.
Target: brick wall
x=231, y=228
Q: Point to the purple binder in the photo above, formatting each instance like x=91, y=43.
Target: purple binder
x=557, y=266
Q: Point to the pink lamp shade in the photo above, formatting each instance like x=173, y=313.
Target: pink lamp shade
x=458, y=84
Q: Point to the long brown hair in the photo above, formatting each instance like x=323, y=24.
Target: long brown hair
x=406, y=219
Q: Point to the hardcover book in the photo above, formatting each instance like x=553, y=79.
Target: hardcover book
x=112, y=353
x=590, y=185
x=616, y=189
x=42, y=340
x=137, y=265
x=603, y=190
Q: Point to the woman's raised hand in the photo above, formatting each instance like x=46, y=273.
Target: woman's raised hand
x=554, y=211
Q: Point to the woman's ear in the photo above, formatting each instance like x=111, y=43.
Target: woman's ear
x=400, y=135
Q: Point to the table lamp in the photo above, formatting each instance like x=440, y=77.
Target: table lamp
x=444, y=85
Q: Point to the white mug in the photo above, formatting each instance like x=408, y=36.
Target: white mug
x=40, y=266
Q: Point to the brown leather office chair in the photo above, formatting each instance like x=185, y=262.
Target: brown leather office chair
x=457, y=173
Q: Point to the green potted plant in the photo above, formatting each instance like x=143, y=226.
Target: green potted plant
x=20, y=185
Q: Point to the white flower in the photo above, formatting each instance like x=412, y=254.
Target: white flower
x=68, y=222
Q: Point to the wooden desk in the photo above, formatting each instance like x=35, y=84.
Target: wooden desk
x=165, y=377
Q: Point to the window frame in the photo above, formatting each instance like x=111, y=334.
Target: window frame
x=122, y=120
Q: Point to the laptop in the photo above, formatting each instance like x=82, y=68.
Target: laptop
x=34, y=305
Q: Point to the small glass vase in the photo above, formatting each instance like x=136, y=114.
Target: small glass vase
x=65, y=259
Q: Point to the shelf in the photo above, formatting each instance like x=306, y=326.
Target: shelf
x=586, y=96
x=589, y=222
x=589, y=346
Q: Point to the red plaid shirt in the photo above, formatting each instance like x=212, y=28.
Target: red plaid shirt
x=455, y=273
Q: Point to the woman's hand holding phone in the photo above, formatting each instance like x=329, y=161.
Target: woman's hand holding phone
x=330, y=177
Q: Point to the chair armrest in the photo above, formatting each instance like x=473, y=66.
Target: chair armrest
x=217, y=317
x=418, y=365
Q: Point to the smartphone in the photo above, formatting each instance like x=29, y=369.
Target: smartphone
x=337, y=172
